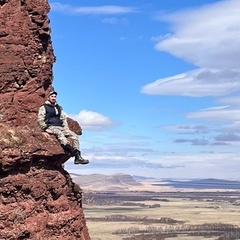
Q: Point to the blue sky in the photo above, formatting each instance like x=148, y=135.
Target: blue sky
x=155, y=86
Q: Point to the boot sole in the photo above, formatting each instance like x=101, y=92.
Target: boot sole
x=77, y=163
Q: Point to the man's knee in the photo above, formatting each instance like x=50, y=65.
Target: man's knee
x=71, y=134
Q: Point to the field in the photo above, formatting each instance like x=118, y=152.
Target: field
x=170, y=215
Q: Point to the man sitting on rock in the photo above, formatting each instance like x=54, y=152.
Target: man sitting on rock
x=53, y=120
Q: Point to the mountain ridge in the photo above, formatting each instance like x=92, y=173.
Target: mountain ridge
x=121, y=181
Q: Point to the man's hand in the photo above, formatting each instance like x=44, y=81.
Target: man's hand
x=44, y=128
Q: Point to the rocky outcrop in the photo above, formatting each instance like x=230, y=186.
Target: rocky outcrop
x=38, y=199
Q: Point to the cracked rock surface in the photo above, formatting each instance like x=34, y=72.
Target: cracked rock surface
x=38, y=199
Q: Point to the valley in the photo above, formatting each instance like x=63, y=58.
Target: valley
x=163, y=212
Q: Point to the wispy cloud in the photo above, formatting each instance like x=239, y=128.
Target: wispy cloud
x=231, y=100
x=115, y=20
x=214, y=165
x=216, y=114
x=196, y=83
x=195, y=141
x=93, y=10
x=187, y=129
x=227, y=137
x=207, y=37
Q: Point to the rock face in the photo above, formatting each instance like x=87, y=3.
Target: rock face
x=38, y=199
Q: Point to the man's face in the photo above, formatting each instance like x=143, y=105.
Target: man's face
x=52, y=98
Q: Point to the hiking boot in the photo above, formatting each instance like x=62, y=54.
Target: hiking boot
x=68, y=149
x=78, y=158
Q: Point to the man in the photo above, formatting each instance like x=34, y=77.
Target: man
x=53, y=120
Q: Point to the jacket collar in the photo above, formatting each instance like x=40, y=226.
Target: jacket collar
x=47, y=102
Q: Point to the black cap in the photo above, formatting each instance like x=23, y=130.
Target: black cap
x=51, y=93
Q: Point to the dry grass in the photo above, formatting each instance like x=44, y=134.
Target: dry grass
x=8, y=137
x=191, y=212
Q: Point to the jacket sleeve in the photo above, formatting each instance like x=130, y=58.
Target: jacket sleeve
x=41, y=118
x=63, y=117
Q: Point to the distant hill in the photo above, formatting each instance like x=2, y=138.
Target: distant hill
x=101, y=182
x=141, y=178
x=125, y=182
x=208, y=183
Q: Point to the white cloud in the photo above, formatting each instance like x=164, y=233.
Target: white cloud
x=187, y=129
x=196, y=83
x=233, y=100
x=217, y=114
x=207, y=37
x=205, y=165
x=92, y=120
x=96, y=10
x=114, y=21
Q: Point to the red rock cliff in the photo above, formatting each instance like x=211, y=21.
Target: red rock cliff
x=38, y=199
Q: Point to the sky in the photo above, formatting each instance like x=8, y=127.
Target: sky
x=155, y=86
